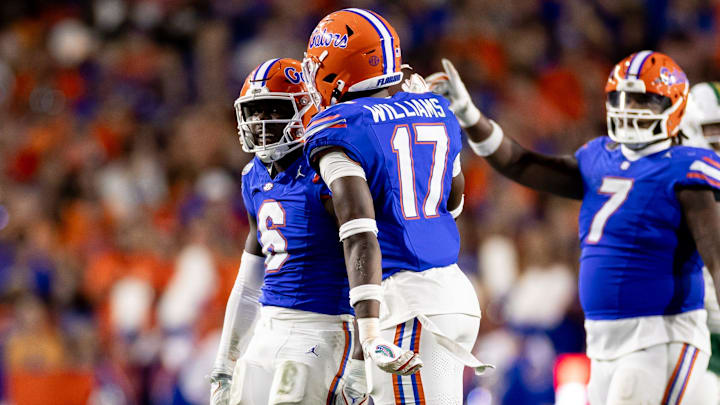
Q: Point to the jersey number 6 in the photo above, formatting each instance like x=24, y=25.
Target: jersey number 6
x=402, y=146
x=618, y=189
x=271, y=217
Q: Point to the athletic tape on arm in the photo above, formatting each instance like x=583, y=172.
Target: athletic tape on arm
x=368, y=328
x=365, y=292
x=458, y=210
x=457, y=168
x=336, y=164
x=356, y=226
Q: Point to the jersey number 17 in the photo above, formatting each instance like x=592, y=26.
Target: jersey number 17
x=402, y=147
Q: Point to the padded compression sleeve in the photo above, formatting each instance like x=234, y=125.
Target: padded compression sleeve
x=240, y=313
x=336, y=164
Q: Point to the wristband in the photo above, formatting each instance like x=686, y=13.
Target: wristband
x=489, y=145
x=471, y=116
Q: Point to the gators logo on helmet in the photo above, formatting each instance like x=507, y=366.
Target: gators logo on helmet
x=350, y=50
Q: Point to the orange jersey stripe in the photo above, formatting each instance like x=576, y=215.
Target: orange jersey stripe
x=321, y=120
x=712, y=162
x=704, y=177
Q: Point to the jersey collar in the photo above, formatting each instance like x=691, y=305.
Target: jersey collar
x=290, y=173
x=633, y=155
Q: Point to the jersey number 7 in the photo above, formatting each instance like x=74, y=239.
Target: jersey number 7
x=618, y=189
x=402, y=147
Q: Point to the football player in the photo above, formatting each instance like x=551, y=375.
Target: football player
x=391, y=162
x=297, y=347
x=648, y=215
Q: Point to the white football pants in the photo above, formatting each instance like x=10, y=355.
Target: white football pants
x=707, y=391
x=665, y=374
x=294, y=357
x=440, y=380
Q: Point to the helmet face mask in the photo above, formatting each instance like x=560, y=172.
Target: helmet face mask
x=271, y=112
x=637, y=118
x=711, y=132
x=646, y=98
x=310, y=66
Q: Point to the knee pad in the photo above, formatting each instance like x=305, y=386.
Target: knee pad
x=289, y=382
x=633, y=386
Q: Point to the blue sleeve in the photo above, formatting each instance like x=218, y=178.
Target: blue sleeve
x=697, y=168
x=590, y=148
x=331, y=128
x=586, y=154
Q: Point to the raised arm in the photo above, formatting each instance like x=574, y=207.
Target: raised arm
x=558, y=175
x=241, y=313
x=703, y=218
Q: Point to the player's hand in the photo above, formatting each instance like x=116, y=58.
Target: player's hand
x=390, y=358
x=220, y=388
x=353, y=390
x=449, y=85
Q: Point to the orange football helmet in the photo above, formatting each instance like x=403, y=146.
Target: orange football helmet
x=280, y=82
x=350, y=50
x=646, y=97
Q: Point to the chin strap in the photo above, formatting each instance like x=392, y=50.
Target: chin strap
x=634, y=152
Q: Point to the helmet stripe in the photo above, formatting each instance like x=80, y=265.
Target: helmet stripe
x=637, y=63
x=386, y=38
x=715, y=86
x=262, y=71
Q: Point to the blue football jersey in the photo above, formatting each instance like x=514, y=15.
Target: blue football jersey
x=638, y=256
x=304, y=262
x=406, y=144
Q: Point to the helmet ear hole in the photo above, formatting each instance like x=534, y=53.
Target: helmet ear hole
x=330, y=77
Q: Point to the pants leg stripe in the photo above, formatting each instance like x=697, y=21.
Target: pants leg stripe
x=343, y=363
x=673, y=377
x=415, y=378
x=397, y=379
x=687, y=377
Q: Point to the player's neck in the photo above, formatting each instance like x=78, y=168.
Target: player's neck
x=632, y=154
x=281, y=165
x=382, y=93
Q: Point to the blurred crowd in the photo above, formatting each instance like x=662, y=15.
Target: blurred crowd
x=121, y=221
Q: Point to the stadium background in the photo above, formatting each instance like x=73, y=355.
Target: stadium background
x=122, y=222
